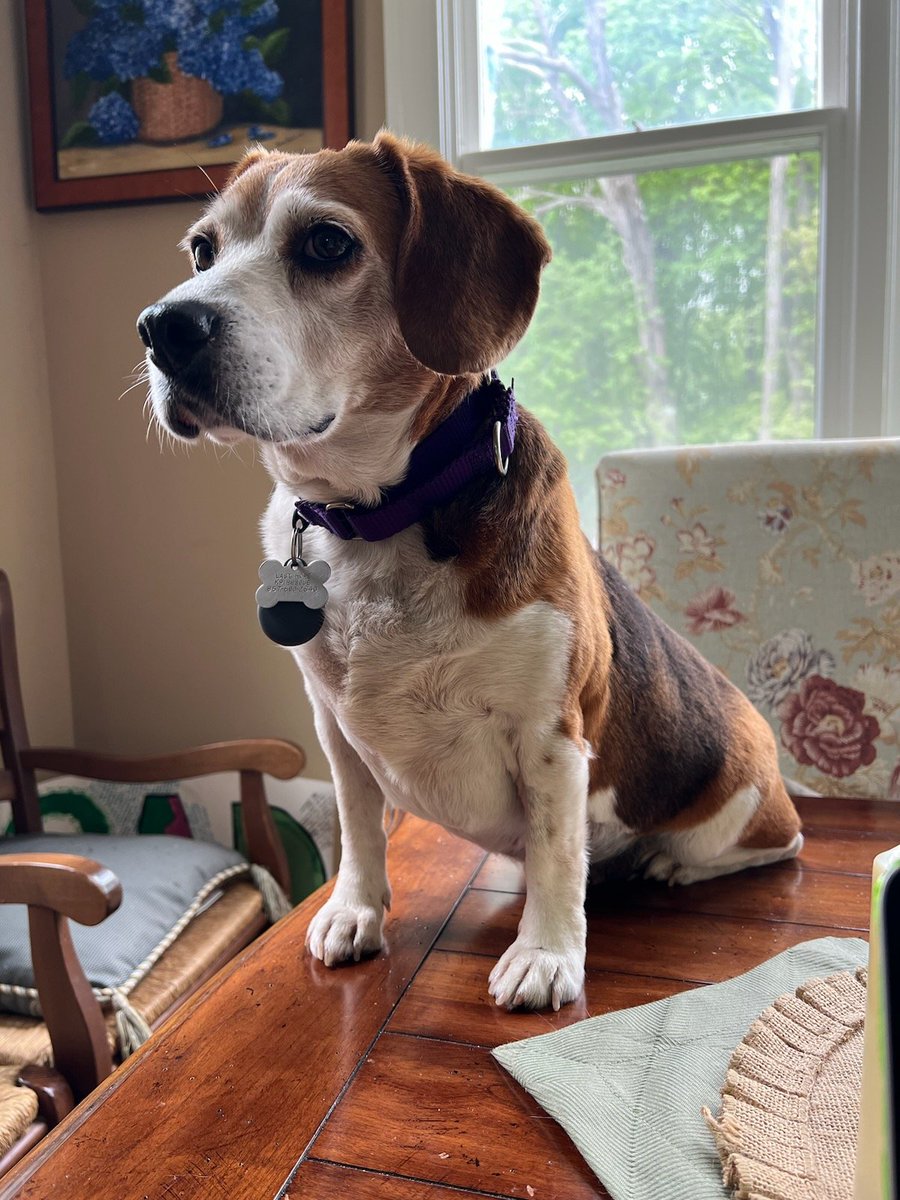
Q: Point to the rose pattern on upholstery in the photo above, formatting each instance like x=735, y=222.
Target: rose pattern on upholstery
x=878, y=577
x=697, y=541
x=781, y=564
x=823, y=725
x=713, y=608
x=781, y=663
x=632, y=557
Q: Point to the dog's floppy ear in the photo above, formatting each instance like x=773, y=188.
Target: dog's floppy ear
x=468, y=264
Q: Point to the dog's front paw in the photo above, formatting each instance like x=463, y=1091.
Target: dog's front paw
x=533, y=977
x=340, y=932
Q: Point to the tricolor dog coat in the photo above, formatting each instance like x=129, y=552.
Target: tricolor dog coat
x=476, y=661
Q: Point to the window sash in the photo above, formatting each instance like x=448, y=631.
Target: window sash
x=655, y=149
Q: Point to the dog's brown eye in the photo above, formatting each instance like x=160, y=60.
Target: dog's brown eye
x=327, y=244
x=204, y=253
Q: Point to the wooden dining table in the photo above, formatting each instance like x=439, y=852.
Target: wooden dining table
x=283, y=1078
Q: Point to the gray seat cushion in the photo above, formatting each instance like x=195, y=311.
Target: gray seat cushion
x=165, y=882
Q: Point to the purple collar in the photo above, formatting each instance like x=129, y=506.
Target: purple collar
x=477, y=436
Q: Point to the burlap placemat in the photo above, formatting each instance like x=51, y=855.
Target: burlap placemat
x=790, y=1104
x=628, y=1087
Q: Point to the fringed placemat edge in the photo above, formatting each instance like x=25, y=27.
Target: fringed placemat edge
x=762, y=1133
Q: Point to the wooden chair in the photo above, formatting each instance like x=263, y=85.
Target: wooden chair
x=56, y=887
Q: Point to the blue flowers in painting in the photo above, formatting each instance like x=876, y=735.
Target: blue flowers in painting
x=215, y=40
x=113, y=120
x=227, y=63
x=115, y=42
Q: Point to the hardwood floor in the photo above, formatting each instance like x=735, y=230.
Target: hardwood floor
x=375, y=1082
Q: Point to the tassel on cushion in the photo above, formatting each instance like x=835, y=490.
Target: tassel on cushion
x=131, y=1028
x=275, y=903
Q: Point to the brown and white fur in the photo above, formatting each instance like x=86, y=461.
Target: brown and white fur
x=485, y=669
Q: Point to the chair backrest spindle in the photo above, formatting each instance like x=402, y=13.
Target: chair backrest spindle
x=16, y=780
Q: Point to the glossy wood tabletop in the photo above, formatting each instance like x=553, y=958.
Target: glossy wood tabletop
x=375, y=1081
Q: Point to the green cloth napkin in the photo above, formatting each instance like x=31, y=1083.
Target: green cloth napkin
x=628, y=1087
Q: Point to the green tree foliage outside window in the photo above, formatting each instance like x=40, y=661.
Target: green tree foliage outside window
x=681, y=303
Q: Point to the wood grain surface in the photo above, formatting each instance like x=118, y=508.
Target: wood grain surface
x=375, y=1082
x=336, y=1179
x=448, y=999
x=450, y=1114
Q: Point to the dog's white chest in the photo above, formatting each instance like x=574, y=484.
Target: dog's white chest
x=436, y=703
x=433, y=715
x=437, y=716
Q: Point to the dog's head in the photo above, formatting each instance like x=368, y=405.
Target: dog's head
x=330, y=291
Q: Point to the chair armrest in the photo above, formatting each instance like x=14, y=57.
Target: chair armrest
x=55, y=1099
x=55, y=887
x=70, y=885
x=270, y=756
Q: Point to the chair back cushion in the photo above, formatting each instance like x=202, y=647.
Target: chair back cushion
x=207, y=808
x=166, y=882
x=781, y=563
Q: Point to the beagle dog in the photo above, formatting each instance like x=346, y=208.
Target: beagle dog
x=478, y=663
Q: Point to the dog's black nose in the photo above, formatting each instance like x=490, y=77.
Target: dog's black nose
x=176, y=332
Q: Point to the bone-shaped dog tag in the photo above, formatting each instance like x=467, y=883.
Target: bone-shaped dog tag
x=290, y=599
x=294, y=582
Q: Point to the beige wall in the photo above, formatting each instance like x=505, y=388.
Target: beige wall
x=29, y=534
x=159, y=548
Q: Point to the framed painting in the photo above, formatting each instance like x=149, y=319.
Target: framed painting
x=155, y=99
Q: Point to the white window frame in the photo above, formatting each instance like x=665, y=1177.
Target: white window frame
x=431, y=72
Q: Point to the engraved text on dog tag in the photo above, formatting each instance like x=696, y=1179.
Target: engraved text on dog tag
x=294, y=581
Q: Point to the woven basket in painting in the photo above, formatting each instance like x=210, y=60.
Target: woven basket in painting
x=172, y=112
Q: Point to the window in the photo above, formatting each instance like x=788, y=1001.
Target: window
x=714, y=178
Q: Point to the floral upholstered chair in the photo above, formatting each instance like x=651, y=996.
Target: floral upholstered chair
x=781, y=563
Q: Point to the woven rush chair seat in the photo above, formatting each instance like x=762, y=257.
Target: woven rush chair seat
x=206, y=944
x=18, y=1108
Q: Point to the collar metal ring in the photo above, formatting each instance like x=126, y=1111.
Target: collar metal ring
x=297, y=544
x=501, y=463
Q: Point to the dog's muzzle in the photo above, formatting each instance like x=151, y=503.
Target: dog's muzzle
x=178, y=334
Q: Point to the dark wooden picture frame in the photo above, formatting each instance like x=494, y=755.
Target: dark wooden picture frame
x=193, y=179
